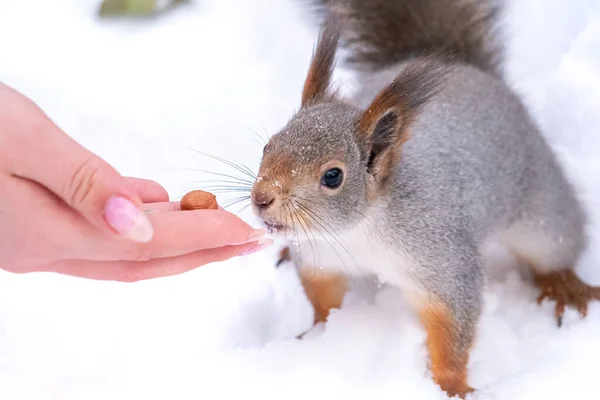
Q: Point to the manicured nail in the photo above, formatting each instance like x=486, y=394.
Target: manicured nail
x=260, y=245
x=129, y=221
x=254, y=236
x=257, y=233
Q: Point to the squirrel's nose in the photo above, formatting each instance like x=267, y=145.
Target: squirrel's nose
x=263, y=200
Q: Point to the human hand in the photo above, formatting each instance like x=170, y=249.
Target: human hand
x=65, y=210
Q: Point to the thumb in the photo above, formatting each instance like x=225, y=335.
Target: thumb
x=78, y=177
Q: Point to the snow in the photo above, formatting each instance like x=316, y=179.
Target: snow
x=143, y=95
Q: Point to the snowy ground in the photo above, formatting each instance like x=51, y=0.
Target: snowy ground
x=141, y=95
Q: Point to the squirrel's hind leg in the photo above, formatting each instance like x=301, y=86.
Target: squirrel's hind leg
x=565, y=288
x=551, y=259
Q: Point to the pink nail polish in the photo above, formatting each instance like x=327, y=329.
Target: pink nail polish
x=261, y=245
x=257, y=233
x=254, y=236
x=128, y=220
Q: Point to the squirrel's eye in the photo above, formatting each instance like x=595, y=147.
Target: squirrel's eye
x=332, y=178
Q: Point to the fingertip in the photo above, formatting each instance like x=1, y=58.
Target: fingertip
x=261, y=244
x=224, y=221
x=187, y=231
x=247, y=233
x=253, y=236
x=161, y=192
x=148, y=190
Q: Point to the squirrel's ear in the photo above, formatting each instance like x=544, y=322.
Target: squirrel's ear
x=385, y=124
x=382, y=131
x=318, y=79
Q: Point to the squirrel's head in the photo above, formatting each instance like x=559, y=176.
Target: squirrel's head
x=311, y=173
x=332, y=159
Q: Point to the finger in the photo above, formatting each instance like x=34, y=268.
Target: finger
x=78, y=177
x=57, y=232
x=149, y=191
x=132, y=271
x=176, y=233
x=162, y=206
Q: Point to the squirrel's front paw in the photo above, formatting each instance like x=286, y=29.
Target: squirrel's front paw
x=566, y=289
x=284, y=256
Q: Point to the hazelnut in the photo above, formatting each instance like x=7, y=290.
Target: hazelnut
x=199, y=200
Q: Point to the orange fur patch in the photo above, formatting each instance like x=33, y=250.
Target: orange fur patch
x=325, y=290
x=275, y=176
x=384, y=102
x=316, y=86
x=448, y=361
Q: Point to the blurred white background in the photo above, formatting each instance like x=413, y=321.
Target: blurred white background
x=142, y=94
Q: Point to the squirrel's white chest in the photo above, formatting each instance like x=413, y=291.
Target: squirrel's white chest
x=356, y=252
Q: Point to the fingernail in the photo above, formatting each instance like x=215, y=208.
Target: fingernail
x=257, y=233
x=260, y=245
x=129, y=221
x=254, y=236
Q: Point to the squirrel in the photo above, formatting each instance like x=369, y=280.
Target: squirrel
x=409, y=178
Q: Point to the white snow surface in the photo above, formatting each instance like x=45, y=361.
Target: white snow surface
x=143, y=94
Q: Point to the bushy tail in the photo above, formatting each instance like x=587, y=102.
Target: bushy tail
x=383, y=32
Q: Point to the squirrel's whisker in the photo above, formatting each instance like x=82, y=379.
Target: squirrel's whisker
x=228, y=201
x=265, y=131
x=312, y=202
x=263, y=142
x=325, y=225
x=259, y=136
x=316, y=216
x=238, y=166
x=299, y=215
x=215, y=190
x=244, y=208
x=239, y=211
x=226, y=188
x=233, y=182
x=288, y=220
x=323, y=221
x=235, y=201
x=314, y=220
x=306, y=212
x=236, y=178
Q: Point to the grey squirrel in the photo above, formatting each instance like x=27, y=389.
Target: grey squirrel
x=410, y=178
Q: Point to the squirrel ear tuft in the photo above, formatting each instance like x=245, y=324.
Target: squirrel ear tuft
x=384, y=126
x=318, y=79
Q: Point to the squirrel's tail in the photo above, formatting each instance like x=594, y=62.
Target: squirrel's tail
x=379, y=33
